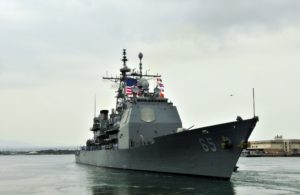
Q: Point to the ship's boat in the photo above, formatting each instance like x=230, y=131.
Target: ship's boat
x=144, y=132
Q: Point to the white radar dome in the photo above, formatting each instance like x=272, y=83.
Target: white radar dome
x=143, y=83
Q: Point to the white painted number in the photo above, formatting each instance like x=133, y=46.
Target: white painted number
x=211, y=144
x=203, y=144
x=207, y=144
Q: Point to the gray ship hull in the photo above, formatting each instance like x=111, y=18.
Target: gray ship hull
x=199, y=152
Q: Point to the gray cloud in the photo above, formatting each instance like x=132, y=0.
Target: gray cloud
x=55, y=52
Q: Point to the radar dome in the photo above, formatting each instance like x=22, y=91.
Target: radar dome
x=135, y=89
x=143, y=83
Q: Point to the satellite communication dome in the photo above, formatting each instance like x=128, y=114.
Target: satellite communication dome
x=135, y=89
x=143, y=83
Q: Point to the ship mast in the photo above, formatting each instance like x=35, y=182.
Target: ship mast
x=140, y=57
x=125, y=71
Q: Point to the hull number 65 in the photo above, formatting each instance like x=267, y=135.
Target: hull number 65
x=207, y=144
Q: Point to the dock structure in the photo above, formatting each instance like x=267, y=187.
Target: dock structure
x=275, y=147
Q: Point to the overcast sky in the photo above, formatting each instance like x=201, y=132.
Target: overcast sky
x=54, y=53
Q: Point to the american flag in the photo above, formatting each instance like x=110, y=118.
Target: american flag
x=130, y=82
x=128, y=90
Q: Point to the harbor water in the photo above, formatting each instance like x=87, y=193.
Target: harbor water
x=59, y=174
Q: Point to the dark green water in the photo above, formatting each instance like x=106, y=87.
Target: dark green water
x=56, y=174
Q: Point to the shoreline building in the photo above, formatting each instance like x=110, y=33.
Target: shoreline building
x=276, y=147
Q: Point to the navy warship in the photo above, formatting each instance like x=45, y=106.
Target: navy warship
x=144, y=132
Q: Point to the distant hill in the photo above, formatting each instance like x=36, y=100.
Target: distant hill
x=10, y=144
